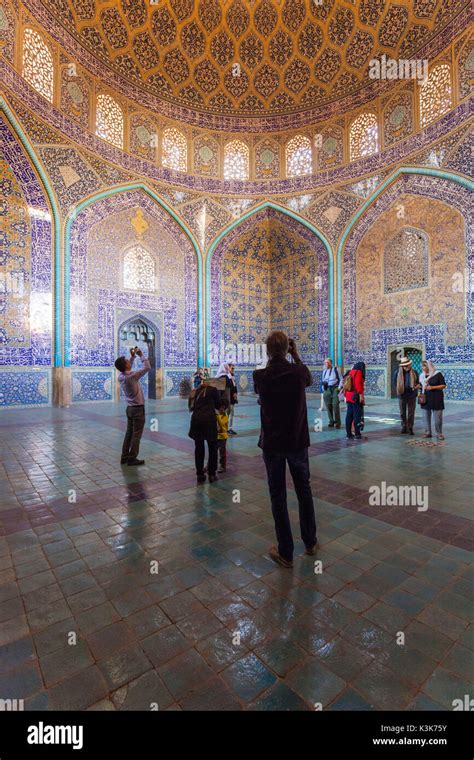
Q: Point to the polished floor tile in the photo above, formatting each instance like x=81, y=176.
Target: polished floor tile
x=136, y=589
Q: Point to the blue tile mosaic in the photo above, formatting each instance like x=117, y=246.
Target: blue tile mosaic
x=24, y=388
x=26, y=253
x=99, y=296
x=432, y=336
x=92, y=386
x=375, y=380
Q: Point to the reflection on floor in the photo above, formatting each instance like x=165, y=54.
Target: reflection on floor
x=219, y=626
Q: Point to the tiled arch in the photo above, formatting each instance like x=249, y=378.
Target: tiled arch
x=303, y=226
x=96, y=207
x=452, y=188
x=43, y=182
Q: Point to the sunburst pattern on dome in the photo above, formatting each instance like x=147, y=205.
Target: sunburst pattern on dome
x=260, y=57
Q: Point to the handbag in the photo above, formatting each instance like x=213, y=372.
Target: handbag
x=422, y=399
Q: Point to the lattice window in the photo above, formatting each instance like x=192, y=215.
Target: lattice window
x=298, y=156
x=138, y=269
x=363, y=136
x=174, y=150
x=406, y=261
x=236, y=160
x=109, y=120
x=435, y=94
x=38, y=67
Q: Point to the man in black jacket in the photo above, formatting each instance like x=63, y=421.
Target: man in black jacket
x=284, y=437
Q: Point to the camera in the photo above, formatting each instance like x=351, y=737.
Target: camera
x=325, y=385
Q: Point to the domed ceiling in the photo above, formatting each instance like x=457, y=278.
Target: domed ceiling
x=268, y=57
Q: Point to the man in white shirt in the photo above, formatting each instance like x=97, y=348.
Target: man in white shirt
x=331, y=380
x=133, y=393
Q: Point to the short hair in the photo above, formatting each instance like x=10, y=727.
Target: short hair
x=277, y=343
x=120, y=364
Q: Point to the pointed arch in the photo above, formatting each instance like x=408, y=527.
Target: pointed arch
x=404, y=170
x=56, y=231
x=140, y=186
x=304, y=223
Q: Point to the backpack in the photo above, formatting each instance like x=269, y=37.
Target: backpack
x=348, y=382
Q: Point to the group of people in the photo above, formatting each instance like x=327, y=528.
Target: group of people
x=426, y=388
x=284, y=433
x=349, y=387
x=202, y=373
x=431, y=384
x=211, y=421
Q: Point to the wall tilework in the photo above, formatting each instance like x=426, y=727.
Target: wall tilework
x=417, y=287
x=244, y=379
x=18, y=88
x=453, y=254
x=177, y=380
x=375, y=380
x=270, y=272
x=26, y=255
x=263, y=271
x=92, y=386
x=24, y=388
x=459, y=383
x=100, y=235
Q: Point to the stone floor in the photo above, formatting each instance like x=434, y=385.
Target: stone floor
x=87, y=623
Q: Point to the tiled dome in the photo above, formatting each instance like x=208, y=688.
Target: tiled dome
x=256, y=58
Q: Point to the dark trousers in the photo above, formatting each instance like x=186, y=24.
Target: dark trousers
x=353, y=415
x=199, y=452
x=298, y=462
x=135, y=425
x=331, y=399
x=407, y=406
x=222, y=448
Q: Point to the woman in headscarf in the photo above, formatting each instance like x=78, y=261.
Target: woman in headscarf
x=434, y=389
x=224, y=371
x=422, y=380
x=203, y=403
x=355, y=399
x=233, y=399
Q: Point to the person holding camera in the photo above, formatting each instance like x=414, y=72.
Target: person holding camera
x=133, y=392
x=331, y=381
x=284, y=437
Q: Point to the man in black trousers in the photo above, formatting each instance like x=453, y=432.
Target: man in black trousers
x=284, y=437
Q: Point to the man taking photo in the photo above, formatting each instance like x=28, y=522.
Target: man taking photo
x=133, y=393
x=284, y=437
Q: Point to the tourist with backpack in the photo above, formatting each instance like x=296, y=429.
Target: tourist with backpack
x=331, y=380
x=203, y=403
x=354, y=383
